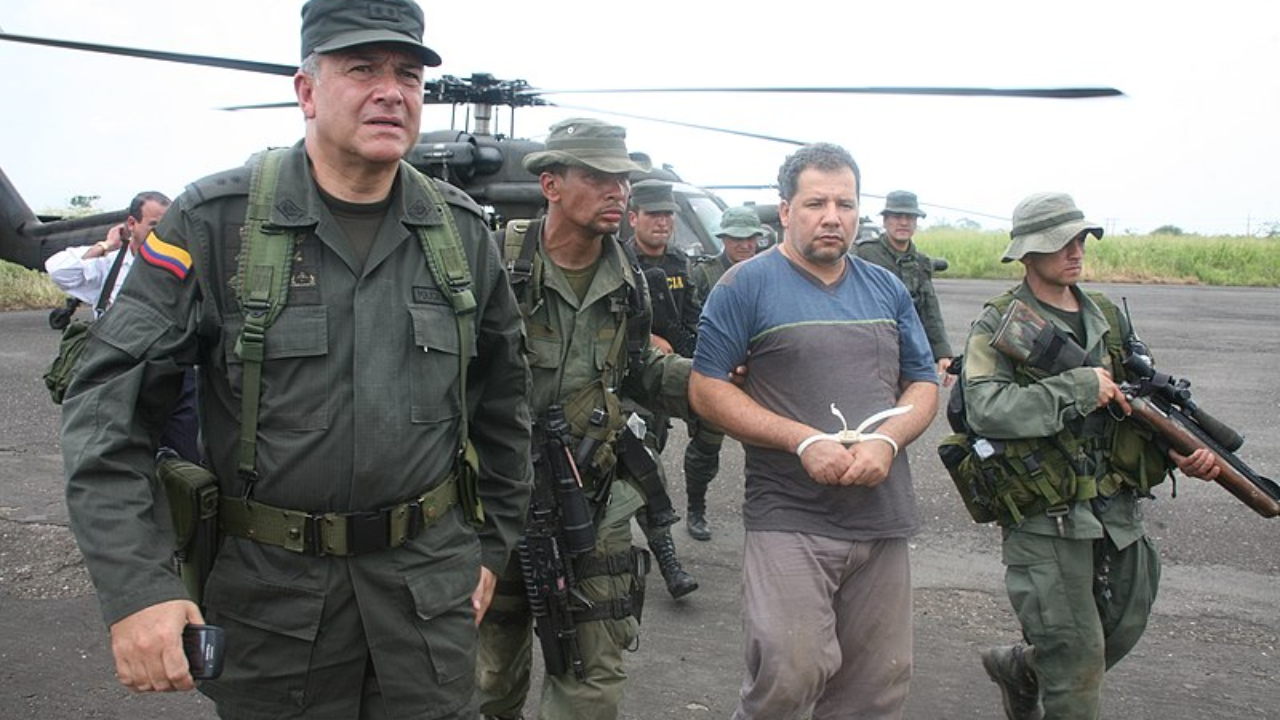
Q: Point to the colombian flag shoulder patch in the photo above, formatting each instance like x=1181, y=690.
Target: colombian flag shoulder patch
x=165, y=256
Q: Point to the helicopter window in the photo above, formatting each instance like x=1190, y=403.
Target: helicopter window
x=707, y=213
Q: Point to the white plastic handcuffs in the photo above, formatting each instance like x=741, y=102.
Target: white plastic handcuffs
x=849, y=437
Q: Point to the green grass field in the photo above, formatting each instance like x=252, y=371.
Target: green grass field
x=1183, y=259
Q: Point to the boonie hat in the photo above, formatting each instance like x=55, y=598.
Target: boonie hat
x=586, y=142
x=901, y=202
x=331, y=25
x=740, y=222
x=1045, y=223
x=653, y=196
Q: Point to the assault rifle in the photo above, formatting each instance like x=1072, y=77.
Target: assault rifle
x=560, y=527
x=1158, y=401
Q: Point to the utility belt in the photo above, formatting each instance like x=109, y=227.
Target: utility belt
x=340, y=534
x=1008, y=480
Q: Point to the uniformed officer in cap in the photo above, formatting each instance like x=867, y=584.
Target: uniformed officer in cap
x=895, y=251
x=676, y=308
x=349, y=580
x=585, y=306
x=1080, y=571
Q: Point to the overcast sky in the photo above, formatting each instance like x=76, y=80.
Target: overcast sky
x=1194, y=142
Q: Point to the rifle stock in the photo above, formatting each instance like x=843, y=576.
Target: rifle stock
x=1259, y=493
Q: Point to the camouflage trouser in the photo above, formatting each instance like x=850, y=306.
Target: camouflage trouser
x=1083, y=605
x=505, y=656
x=701, y=463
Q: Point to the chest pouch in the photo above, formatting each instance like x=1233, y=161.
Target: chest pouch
x=595, y=416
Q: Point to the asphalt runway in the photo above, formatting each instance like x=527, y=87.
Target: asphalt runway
x=1210, y=651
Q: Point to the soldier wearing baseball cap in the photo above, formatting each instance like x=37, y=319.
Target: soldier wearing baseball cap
x=577, y=284
x=1066, y=479
x=896, y=251
x=355, y=561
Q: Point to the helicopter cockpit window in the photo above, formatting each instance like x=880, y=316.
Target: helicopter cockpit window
x=700, y=241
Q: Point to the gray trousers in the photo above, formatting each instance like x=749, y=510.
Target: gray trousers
x=827, y=627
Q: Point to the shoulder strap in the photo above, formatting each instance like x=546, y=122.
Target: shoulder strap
x=104, y=297
x=524, y=267
x=262, y=287
x=1115, y=336
x=442, y=246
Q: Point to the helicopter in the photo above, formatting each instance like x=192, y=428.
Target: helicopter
x=479, y=159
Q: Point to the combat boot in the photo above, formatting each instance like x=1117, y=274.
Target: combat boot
x=697, y=525
x=1008, y=667
x=679, y=582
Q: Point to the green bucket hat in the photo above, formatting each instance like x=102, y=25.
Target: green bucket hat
x=586, y=142
x=901, y=202
x=653, y=196
x=1045, y=223
x=740, y=222
x=332, y=25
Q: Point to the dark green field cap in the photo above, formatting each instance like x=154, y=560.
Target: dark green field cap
x=653, y=196
x=1045, y=223
x=332, y=25
x=901, y=202
x=589, y=143
x=740, y=222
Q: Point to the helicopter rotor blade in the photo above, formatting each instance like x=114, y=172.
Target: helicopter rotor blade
x=261, y=106
x=188, y=59
x=1065, y=93
x=678, y=123
x=864, y=194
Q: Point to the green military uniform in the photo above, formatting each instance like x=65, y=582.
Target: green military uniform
x=707, y=271
x=360, y=410
x=1082, y=587
x=571, y=343
x=915, y=270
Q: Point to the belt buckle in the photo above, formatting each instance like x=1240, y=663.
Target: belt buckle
x=368, y=532
x=311, y=533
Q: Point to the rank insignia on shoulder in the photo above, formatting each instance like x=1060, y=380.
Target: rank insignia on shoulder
x=165, y=256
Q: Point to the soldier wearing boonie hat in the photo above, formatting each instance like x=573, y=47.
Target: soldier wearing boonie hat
x=588, y=143
x=740, y=231
x=1066, y=479
x=896, y=251
x=576, y=284
x=1044, y=223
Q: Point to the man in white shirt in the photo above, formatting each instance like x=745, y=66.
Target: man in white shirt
x=82, y=271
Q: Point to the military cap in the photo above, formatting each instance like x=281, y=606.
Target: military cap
x=331, y=25
x=589, y=143
x=1045, y=223
x=740, y=222
x=653, y=196
x=901, y=202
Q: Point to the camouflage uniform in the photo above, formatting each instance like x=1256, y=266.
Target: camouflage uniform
x=915, y=270
x=1081, y=573
x=564, y=366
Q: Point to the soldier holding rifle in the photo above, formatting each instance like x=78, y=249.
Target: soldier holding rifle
x=587, y=314
x=1068, y=471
